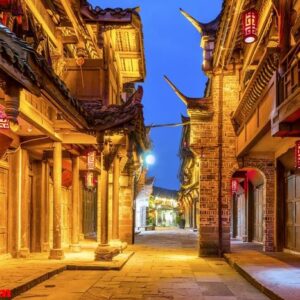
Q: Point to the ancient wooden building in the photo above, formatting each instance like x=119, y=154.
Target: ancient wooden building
x=244, y=131
x=72, y=127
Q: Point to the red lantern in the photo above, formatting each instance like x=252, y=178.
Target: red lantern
x=5, y=4
x=250, y=25
x=297, y=155
x=234, y=185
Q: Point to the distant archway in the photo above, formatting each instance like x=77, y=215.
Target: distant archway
x=248, y=206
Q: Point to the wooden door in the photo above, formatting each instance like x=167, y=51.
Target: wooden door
x=3, y=210
x=89, y=213
x=258, y=214
x=292, y=213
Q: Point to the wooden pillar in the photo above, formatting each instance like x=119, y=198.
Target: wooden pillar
x=99, y=198
x=104, y=207
x=75, y=247
x=57, y=251
x=18, y=202
x=116, y=188
x=24, y=205
x=45, y=207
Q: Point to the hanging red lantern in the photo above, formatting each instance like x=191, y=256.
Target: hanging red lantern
x=250, y=25
x=297, y=155
x=234, y=185
x=5, y=4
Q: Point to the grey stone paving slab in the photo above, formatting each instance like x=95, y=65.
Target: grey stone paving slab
x=160, y=269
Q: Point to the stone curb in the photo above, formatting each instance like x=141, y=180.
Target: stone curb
x=24, y=287
x=250, y=278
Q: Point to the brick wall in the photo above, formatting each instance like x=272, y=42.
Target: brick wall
x=207, y=136
x=125, y=210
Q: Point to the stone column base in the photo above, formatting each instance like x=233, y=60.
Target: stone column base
x=118, y=244
x=56, y=254
x=23, y=253
x=75, y=248
x=106, y=252
x=45, y=247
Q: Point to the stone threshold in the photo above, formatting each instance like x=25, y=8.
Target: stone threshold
x=250, y=268
x=116, y=264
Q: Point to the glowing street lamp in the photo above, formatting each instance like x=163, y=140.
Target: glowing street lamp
x=150, y=159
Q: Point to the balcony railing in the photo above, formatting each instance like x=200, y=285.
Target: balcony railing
x=289, y=80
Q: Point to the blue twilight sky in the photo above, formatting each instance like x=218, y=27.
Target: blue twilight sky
x=172, y=47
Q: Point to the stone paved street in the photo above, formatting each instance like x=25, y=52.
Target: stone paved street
x=165, y=266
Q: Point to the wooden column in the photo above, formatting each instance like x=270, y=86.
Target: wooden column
x=105, y=251
x=99, y=198
x=104, y=206
x=57, y=252
x=45, y=207
x=116, y=188
x=75, y=247
x=24, y=205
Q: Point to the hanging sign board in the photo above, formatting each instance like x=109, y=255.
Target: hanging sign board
x=89, y=180
x=91, y=160
x=4, y=124
x=297, y=155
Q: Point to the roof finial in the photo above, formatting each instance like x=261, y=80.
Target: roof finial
x=193, y=21
x=177, y=91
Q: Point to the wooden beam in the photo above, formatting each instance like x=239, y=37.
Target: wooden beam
x=33, y=116
x=32, y=6
x=68, y=8
x=79, y=138
x=71, y=39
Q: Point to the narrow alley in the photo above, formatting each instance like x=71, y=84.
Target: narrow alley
x=165, y=266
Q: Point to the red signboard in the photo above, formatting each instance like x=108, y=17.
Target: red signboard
x=297, y=155
x=4, y=124
x=250, y=25
x=234, y=185
x=91, y=160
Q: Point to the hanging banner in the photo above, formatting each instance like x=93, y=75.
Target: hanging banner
x=89, y=180
x=91, y=160
x=4, y=124
x=297, y=155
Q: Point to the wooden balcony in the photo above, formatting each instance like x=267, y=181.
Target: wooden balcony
x=286, y=117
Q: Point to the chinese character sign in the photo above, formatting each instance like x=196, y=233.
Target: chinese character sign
x=4, y=124
x=297, y=155
x=91, y=160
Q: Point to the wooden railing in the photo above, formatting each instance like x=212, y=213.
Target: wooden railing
x=289, y=79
